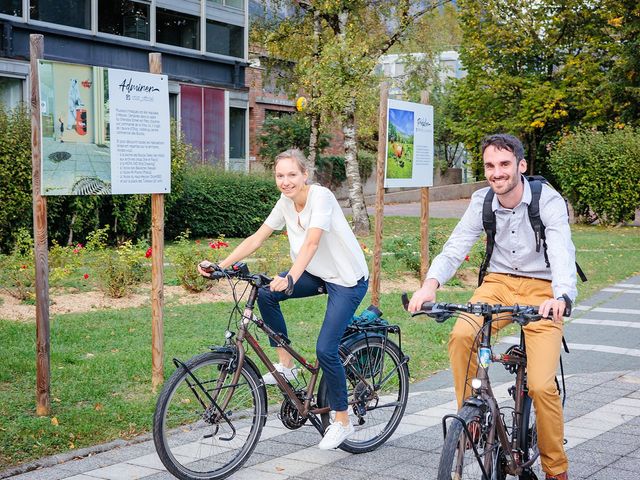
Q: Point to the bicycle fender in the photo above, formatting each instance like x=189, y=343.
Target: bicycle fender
x=226, y=350
x=474, y=402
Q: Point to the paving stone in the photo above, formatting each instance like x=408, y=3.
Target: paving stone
x=385, y=455
x=600, y=446
x=53, y=473
x=121, y=471
x=612, y=473
x=410, y=471
x=333, y=472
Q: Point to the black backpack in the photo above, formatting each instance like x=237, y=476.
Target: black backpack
x=489, y=224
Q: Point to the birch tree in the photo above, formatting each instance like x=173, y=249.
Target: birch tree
x=336, y=45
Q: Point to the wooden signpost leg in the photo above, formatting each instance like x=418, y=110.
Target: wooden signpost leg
x=157, y=268
x=40, y=239
x=382, y=154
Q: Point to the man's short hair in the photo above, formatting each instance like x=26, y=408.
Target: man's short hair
x=504, y=141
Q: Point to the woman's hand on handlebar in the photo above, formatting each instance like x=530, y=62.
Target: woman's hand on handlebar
x=278, y=284
x=206, y=268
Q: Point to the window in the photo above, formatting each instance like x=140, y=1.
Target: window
x=73, y=13
x=124, y=17
x=225, y=39
x=179, y=29
x=202, y=120
x=237, y=133
x=239, y=4
x=11, y=7
x=10, y=92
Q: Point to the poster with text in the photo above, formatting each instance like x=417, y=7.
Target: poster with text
x=409, y=159
x=88, y=148
x=140, y=145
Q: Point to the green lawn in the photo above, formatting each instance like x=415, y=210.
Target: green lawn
x=101, y=361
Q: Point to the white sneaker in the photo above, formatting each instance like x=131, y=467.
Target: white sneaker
x=334, y=435
x=289, y=374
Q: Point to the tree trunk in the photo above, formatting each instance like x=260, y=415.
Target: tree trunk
x=313, y=146
x=361, y=224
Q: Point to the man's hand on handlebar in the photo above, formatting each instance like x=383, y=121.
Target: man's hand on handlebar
x=427, y=293
x=553, y=308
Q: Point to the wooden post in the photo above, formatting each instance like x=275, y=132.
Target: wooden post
x=382, y=155
x=40, y=240
x=157, y=268
x=424, y=216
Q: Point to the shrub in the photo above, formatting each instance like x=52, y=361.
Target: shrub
x=17, y=270
x=186, y=254
x=331, y=170
x=282, y=133
x=15, y=175
x=599, y=173
x=216, y=203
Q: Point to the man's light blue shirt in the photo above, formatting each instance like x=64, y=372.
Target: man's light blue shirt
x=515, y=246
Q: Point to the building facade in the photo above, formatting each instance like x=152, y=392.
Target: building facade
x=204, y=53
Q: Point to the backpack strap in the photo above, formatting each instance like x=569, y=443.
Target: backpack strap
x=534, y=217
x=489, y=224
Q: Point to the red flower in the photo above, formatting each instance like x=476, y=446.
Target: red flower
x=149, y=252
x=24, y=267
x=213, y=245
x=85, y=276
x=75, y=250
x=197, y=242
x=466, y=259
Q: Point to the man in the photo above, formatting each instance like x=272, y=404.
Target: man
x=517, y=274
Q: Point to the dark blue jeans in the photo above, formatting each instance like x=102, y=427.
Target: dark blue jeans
x=341, y=305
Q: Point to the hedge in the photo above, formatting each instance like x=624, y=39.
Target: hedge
x=599, y=173
x=216, y=203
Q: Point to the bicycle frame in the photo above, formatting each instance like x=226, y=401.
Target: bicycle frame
x=304, y=407
x=484, y=399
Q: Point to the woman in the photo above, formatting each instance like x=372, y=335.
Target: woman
x=327, y=258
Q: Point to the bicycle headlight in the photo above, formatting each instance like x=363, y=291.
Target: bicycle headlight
x=476, y=383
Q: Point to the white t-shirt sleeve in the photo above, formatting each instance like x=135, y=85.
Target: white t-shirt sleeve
x=321, y=210
x=276, y=219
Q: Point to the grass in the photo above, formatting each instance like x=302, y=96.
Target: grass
x=101, y=361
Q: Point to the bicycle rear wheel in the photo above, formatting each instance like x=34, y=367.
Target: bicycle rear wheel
x=192, y=437
x=377, y=388
x=458, y=460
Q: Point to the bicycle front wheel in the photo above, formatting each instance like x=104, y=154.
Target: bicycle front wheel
x=205, y=426
x=458, y=460
x=378, y=389
x=528, y=437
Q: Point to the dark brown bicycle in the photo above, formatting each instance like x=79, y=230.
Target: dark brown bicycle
x=485, y=440
x=212, y=410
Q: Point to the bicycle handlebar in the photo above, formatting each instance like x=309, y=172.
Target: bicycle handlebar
x=241, y=271
x=521, y=314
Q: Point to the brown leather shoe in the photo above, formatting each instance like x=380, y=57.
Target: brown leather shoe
x=559, y=476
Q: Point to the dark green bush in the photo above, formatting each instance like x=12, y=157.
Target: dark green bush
x=331, y=172
x=599, y=173
x=282, y=133
x=70, y=218
x=15, y=175
x=216, y=203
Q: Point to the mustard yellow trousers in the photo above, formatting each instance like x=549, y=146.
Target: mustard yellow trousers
x=543, y=340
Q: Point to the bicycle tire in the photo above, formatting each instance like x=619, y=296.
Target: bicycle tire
x=528, y=435
x=191, y=439
x=379, y=360
x=457, y=459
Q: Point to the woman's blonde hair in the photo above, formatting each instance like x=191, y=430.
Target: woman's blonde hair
x=294, y=154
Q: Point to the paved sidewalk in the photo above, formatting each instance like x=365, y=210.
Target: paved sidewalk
x=602, y=417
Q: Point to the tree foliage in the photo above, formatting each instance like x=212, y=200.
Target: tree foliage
x=335, y=45
x=541, y=69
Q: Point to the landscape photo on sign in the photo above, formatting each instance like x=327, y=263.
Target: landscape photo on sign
x=75, y=129
x=400, y=143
